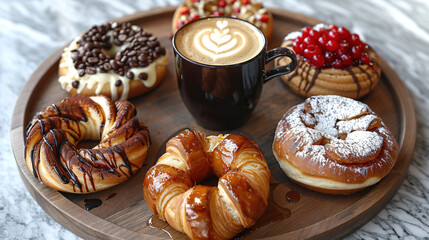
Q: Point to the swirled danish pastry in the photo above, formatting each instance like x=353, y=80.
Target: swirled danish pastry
x=334, y=144
x=53, y=156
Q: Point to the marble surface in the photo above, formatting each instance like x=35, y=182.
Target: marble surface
x=399, y=30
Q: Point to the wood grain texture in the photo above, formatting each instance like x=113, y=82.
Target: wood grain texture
x=124, y=214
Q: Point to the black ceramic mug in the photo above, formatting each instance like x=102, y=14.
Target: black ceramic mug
x=220, y=67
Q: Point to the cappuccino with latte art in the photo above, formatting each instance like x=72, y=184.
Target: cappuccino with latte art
x=220, y=69
x=215, y=41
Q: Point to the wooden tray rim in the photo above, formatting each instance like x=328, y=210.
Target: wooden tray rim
x=55, y=199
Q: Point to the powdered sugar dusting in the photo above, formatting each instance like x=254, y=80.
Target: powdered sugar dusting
x=291, y=36
x=314, y=127
x=327, y=110
x=358, y=144
x=321, y=26
x=355, y=124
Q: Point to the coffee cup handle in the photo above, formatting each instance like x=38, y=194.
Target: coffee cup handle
x=279, y=52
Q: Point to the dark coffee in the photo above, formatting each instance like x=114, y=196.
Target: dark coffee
x=221, y=98
x=222, y=93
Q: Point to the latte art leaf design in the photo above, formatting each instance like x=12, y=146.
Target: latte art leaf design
x=219, y=42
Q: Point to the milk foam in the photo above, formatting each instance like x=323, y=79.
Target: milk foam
x=219, y=41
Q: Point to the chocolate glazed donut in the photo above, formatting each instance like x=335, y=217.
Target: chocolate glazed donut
x=52, y=137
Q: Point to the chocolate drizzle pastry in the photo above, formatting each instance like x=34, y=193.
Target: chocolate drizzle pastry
x=108, y=53
x=331, y=61
x=51, y=149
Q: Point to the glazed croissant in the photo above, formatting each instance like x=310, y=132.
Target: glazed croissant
x=206, y=212
x=52, y=138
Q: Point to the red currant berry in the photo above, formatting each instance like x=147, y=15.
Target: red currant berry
x=362, y=45
x=308, y=40
x=334, y=35
x=323, y=32
x=298, y=39
x=297, y=47
x=344, y=33
x=365, y=59
x=329, y=57
x=179, y=23
x=264, y=18
x=345, y=46
x=217, y=13
x=232, y=1
x=342, y=50
x=221, y=3
x=236, y=10
x=305, y=31
x=356, y=52
x=302, y=46
x=347, y=60
x=332, y=45
x=354, y=39
x=193, y=17
x=333, y=26
x=318, y=60
x=195, y=0
x=314, y=34
x=338, y=64
x=322, y=41
x=313, y=49
x=184, y=10
x=244, y=2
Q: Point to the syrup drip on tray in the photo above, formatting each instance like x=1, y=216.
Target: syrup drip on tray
x=155, y=222
x=275, y=211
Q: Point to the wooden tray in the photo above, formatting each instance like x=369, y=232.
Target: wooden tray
x=124, y=213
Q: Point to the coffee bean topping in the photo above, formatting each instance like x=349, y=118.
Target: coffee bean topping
x=81, y=72
x=130, y=75
x=143, y=49
x=75, y=84
x=92, y=60
x=118, y=83
x=143, y=76
x=90, y=70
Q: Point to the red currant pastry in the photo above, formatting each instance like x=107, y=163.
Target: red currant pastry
x=249, y=10
x=331, y=61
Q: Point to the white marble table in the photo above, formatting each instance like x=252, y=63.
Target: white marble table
x=399, y=30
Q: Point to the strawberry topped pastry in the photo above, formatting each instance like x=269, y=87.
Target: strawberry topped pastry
x=249, y=10
x=331, y=61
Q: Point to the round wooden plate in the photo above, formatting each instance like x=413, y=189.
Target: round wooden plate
x=124, y=213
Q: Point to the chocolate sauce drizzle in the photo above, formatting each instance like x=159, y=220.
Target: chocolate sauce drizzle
x=310, y=83
x=92, y=203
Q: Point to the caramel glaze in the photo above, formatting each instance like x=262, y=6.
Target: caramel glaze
x=309, y=83
x=205, y=211
x=54, y=133
x=292, y=196
x=275, y=212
